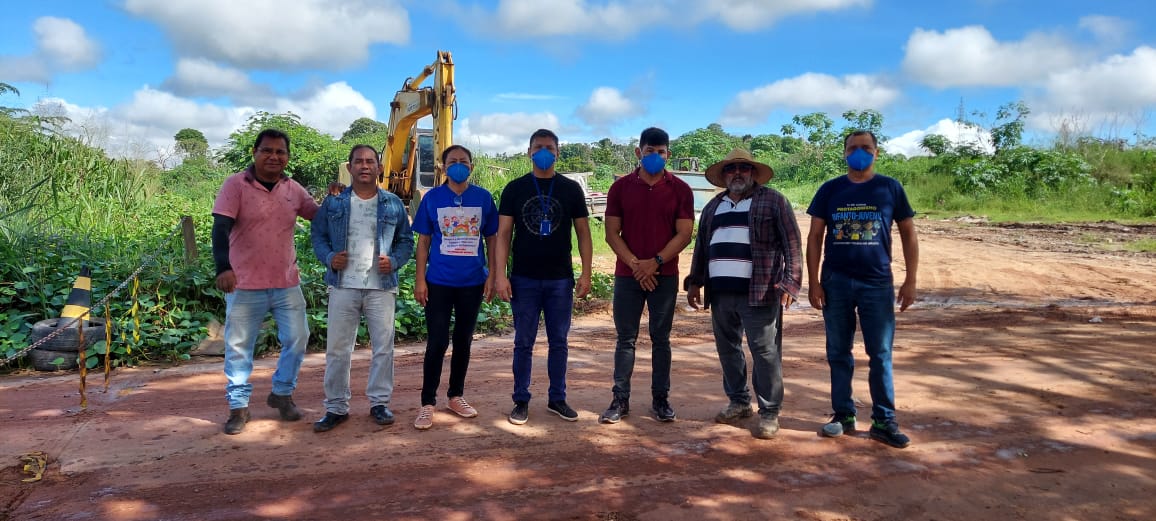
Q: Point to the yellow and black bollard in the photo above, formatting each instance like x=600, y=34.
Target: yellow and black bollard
x=80, y=300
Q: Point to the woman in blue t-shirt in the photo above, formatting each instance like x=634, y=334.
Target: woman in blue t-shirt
x=456, y=224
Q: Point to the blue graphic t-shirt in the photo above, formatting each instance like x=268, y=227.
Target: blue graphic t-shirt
x=858, y=218
x=457, y=226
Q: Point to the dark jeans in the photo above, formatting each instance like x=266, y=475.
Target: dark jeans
x=463, y=303
x=875, y=303
x=732, y=316
x=629, y=297
x=532, y=300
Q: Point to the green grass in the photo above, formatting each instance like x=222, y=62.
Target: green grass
x=1142, y=245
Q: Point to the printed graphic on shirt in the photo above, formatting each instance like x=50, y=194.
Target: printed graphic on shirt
x=461, y=232
x=857, y=225
x=542, y=214
x=361, y=271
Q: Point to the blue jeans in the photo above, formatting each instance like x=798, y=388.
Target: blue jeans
x=533, y=299
x=629, y=297
x=245, y=310
x=875, y=303
x=731, y=316
x=346, y=307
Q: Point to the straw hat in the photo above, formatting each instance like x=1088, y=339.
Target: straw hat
x=763, y=173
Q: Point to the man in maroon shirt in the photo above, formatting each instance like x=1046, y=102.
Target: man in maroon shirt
x=649, y=218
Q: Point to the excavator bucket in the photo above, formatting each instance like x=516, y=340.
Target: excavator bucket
x=80, y=300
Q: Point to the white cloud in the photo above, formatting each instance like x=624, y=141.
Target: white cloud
x=608, y=106
x=970, y=56
x=200, y=77
x=750, y=15
x=329, y=109
x=61, y=46
x=908, y=143
x=1119, y=91
x=502, y=133
x=808, y=91
x=272, y=34
x=1107, y=29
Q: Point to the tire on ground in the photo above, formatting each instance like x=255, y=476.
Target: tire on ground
x=67, y=341
x=42, y=360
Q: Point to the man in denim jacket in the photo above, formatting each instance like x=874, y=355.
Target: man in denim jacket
x=364, y=238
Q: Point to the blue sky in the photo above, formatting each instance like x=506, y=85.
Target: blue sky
x=131, y=73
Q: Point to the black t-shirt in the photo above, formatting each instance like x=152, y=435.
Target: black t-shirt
x=538, y=204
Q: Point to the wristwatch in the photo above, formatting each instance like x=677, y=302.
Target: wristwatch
x=658, y=259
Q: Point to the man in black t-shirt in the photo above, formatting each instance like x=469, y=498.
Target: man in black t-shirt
x=538, y=211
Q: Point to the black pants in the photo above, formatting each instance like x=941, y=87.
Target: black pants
x=463, y=303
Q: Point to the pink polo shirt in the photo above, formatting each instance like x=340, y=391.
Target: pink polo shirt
x=261, y=249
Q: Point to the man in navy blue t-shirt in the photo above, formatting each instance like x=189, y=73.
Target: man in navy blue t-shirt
x=851, y=217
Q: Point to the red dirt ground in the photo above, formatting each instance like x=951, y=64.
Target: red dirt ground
x=1025, y=376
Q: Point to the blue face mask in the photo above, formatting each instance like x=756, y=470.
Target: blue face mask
x=860, y=160
x=458, y=172
x=543, y=159
x=653, y=163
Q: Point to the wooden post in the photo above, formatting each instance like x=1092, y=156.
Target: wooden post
x=190, y=237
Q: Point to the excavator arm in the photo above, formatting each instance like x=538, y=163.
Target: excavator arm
x=411, y=103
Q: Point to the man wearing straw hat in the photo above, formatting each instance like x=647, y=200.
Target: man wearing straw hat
x=747, y=265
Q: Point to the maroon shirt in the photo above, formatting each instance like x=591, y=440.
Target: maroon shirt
x=648, y=216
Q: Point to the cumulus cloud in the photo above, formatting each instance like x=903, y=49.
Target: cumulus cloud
x=1120, y=90
x=608, y=106
x=200, y=77
x=908, y=143
x=1108, y=29
x=971, y=57
x=750, y=15
x=502, y=133
x=808, y=91
x=272, y=34
x=329, y=109
x=61, y=46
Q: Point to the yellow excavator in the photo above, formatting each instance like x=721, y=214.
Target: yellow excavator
x=412, y=156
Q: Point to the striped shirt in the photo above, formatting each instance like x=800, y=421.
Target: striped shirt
x=730, y=247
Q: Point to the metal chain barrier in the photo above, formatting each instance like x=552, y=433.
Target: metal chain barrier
x=104, y=301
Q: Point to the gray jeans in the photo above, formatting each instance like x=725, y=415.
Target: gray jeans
x=346, y=307
x=731, y=317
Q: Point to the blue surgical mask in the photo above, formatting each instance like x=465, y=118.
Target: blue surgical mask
x=458, y=172
x=653, y=163
x=860, y=160
x=543, y=159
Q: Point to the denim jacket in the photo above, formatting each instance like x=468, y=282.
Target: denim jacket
x=330, y=231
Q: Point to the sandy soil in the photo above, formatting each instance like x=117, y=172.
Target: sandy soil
x=1025, y=375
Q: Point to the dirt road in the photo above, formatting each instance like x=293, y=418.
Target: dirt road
x=1025, y=376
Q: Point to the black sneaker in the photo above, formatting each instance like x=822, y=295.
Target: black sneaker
x=889, y=433
x=619, y=409
x=838, y=425
x=237, y=419
x=329, y=421
x=662, y=410
x=520, y=414
x=381, y=414
x=562, y=410
x=284, y=405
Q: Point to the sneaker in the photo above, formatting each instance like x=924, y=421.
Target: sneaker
x=520, y=414
x=889, y=433
x=734, y=412
x=838, y=425
x=284, y=404
x=237, y=419
x=424, y=418
x=662, y=411
x=461, y=408
x=562, y=410
x=767, y=427
x=329, y=421
x=619, y=409
x=381, y=414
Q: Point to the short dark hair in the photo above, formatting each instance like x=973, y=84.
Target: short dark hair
x=874, y=140
x=654, y=137
x=355, y=148
x=544, y=133
x=271, y=133
x=451, y=148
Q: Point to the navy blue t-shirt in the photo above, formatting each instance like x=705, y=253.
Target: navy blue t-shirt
x=858, y=218
x=457, y=226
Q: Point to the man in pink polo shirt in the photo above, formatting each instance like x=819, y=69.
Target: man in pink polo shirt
x=649, y=218
x=254, y=218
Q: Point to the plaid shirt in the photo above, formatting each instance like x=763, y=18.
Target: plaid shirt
x=776, y=248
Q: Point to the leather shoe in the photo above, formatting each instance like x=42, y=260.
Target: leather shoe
x=237, y=419
x=328, y=422
x=381, y=414
x=284, y=405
